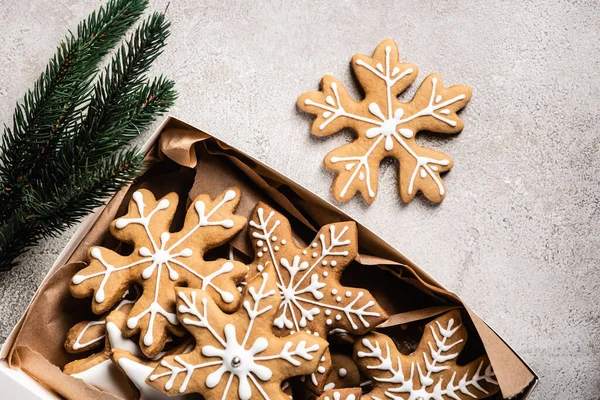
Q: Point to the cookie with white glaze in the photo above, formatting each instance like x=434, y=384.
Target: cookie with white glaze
x=308, y=281
x=344, y=372
x=162, y=260
x=432, y=371
x=386, y=127
x=342, y=394
x=236, y=355
x=90, y=335
x=138, y=370
x=98, y=369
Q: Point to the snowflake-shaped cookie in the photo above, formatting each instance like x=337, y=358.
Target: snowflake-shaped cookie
x=431, y=372
x=385, y=126
x=162, y=260
x=236, y=356
x=313, y=299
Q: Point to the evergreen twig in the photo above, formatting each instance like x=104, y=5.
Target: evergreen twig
x=71, y=134
x=51, y=211
x=48, y=112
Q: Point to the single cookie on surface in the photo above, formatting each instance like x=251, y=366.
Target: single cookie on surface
x=162, y=260
x=431, y=372
x=385, y=127
x=236, y=355
x=308, y=281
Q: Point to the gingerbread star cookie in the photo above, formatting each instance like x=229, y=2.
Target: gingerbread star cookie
x=431, y=372
x=236, y=355
x=162, y=260
x=386, y=127
x=313, y=300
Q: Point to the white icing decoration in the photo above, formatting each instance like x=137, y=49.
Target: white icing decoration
x=386, y=126
x=162, y=256
x=138, y=373
x=118, y=341
x=342, y=372
x=351, y=396
x=78, y=345
x=106, y=377
x=297, y=311
x=429, y=389
x=240, y=360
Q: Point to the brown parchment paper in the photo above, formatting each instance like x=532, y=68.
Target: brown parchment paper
x=190, y=162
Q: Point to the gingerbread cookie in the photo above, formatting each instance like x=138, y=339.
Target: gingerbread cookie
x=90, y=335
x=344, y=394
x=308, y=280
x=344, y=372
x=162, y=260
x=138, y=370
x=385, y=126
x=236, y=355
x=98, y=369
x=431, y=372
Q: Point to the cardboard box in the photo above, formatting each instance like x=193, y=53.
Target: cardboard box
x=171, y=152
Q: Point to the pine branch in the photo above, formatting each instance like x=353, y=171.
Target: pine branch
x=51, y=211
x=124, y=77
x=124, y=102
x=85, y=164
x=48, y=112
x=136, y=113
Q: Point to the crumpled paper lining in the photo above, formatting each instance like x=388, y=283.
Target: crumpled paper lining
x=191, y=162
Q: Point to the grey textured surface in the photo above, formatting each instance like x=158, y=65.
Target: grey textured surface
x=518, y=234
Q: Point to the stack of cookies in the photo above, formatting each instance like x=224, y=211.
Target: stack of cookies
x=177, y=322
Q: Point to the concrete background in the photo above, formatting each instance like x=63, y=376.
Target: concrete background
x=518, y=234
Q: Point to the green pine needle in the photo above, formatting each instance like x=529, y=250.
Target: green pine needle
x=63, y=156
x=51, y=210
x=48, y=112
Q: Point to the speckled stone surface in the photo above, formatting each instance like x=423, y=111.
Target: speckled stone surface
x=518, y=235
